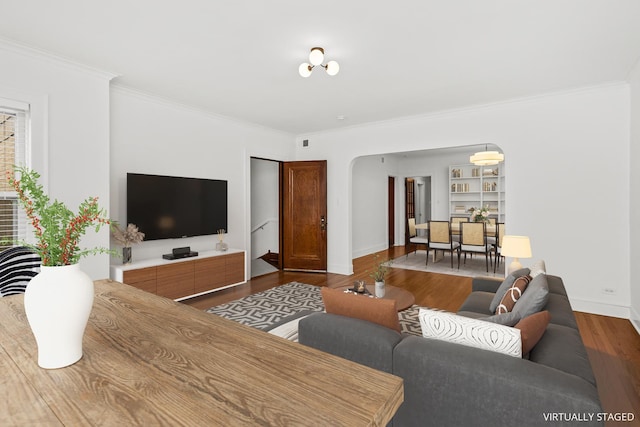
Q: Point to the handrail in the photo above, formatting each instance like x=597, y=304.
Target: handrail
x=263, y=224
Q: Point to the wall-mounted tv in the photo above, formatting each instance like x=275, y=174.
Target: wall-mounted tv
x=168, y=207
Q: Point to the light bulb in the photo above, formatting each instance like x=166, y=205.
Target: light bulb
x=316, y=56
x=305, y=69
x=332, y=68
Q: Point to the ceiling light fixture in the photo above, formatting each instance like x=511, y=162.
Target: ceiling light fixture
x=316, y=57
x=486, y=158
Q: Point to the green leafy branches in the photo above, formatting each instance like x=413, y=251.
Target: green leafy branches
x=381, y=269
x=57, y=229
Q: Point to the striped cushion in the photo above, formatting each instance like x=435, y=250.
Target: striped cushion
x=445, y=326
x=18, y=265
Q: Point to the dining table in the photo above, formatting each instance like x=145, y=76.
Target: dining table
x=149, y=360
x=490, y=231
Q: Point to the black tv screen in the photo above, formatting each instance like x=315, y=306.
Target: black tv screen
x=168, y=207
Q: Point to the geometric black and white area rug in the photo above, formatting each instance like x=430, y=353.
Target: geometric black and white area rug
x=265, y=308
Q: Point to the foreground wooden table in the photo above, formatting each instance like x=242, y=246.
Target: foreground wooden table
x=151, y=361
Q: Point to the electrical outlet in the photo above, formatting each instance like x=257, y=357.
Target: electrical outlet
x=608, y=291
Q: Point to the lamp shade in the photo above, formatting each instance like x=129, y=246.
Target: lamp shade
x=486, y=158
x=516, y=246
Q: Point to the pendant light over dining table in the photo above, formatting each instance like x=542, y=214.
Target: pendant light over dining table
x=316, y=57
x=486, y=158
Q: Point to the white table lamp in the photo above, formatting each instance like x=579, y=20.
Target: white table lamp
x=515, y=247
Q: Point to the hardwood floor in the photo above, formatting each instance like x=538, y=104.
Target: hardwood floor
x=613, y=344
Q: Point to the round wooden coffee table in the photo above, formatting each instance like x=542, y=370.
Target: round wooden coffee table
x=404, y=299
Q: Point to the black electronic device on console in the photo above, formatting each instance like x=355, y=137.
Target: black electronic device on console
x=179, y=253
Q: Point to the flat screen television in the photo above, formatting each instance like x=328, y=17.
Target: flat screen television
x=168, y=207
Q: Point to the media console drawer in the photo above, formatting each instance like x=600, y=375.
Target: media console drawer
x=143, y=278
x=184, y=278
x=175, y=280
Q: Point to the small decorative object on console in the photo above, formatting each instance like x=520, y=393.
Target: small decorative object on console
x=127, y=237
x=221, y=245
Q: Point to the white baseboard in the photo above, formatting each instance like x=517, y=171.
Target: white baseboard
x=635, y=320
x=370, y=250
x=592, y=307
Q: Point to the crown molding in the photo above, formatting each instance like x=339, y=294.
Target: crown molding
x=167, y=102
x=470, y=109
x=43, y=55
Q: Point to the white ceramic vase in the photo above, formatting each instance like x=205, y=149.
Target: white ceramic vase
x=58, y=303
x=379, y=289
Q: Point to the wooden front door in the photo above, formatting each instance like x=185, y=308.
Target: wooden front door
x=304, y=215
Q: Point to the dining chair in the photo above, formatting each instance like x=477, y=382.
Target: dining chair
x=497, y=248
x=413, y=236
x=18, y=265
x=492, y=238
x=457, y=220
x=473, y=239
x=440, y=239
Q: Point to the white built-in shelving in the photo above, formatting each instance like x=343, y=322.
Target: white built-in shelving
x=472, y=186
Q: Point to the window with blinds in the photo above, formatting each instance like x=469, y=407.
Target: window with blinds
x=13, y=130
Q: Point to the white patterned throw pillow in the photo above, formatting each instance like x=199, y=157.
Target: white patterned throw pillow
x=446, y=326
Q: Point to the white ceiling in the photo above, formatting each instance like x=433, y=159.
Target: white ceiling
x=240, y=58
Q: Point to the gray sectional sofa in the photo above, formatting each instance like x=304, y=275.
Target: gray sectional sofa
x=448, y=384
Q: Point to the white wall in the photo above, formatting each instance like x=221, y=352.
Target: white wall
x=264, y=207
x=369, y=204
x=420, y=193
x=70, y=131
x=634, y=195
x=435, y=163
x=149, y=135
x=560, y=186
